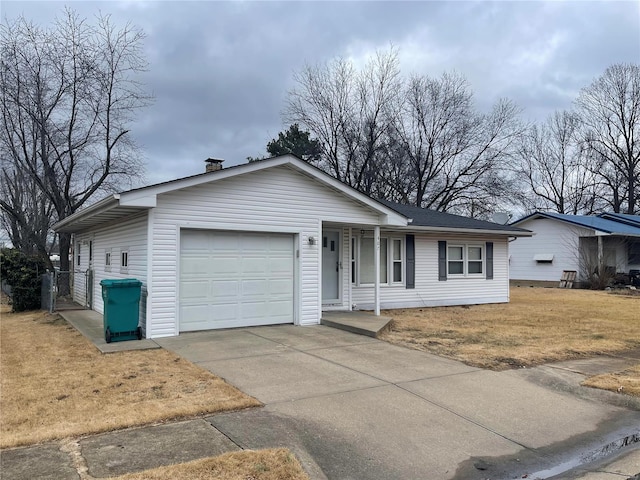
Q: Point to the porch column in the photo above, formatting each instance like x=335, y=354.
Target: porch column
x=350, y=253
x=376, y=262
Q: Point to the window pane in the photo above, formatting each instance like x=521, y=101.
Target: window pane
x=475, y=253
x=397, y=271
x=384, y=255
x=455, y=253
x=397, y=249
x=367, y=268
x=475, y=267
x=456, y=268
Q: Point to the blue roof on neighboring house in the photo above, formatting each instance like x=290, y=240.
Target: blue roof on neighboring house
x=614, y=224
x=622, y=217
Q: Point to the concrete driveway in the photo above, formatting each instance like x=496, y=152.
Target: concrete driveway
x=352, y=407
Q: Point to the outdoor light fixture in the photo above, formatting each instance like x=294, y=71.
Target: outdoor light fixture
x=312, y=240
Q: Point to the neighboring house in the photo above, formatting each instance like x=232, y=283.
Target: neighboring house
x=279, y=241
x=575, y=242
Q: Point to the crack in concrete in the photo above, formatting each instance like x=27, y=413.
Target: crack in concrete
x=72, y=448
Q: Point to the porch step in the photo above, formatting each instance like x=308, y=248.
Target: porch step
x=362, y=323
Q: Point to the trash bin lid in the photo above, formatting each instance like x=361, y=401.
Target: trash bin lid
x=120, y=282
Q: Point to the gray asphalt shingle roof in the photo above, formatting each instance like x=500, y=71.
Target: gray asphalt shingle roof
x=423, y=217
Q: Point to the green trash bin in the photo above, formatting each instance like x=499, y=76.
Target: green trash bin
x=121, y=305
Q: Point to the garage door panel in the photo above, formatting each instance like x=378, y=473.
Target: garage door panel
x=280, y=287
x=223, y=267
x=195, y=241
x=228, y=290
x=233, y=279
x=255, y=266
x=255, y=288
x=194, y=264
x=195, y=289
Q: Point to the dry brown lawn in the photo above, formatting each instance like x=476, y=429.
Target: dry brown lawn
x=56, y=384
x=539, y=325
x=275, y=464
x=627, y=381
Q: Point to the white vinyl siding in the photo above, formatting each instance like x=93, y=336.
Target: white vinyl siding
x=429, y=291
x=277, y=200
x=552, y=237
x=130, y=235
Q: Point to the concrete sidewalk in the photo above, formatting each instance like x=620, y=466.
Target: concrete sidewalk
x=353, y=407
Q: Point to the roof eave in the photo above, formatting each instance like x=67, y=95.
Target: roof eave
x=104, y=205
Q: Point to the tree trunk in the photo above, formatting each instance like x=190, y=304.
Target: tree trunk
x=64, y=286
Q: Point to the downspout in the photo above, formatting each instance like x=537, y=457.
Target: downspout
x=376, y=262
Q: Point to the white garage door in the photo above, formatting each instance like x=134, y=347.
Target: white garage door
x=235, y=279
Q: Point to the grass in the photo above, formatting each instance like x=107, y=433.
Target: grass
x=274, y=464
x=56, y=384
x=627, y=381
x=538, y=326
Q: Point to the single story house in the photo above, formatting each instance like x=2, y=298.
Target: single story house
x=580, y=243
x=279, y=241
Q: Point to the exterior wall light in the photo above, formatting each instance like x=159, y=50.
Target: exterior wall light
x=312, y=240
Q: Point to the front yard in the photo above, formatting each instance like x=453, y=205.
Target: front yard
x=55, y=384
x=539, y=325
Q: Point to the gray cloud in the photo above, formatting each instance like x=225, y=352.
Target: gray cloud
x=220, y=70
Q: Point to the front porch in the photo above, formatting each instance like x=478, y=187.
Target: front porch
x=360, y=322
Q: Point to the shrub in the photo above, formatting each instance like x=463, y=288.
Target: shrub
x=23, y=272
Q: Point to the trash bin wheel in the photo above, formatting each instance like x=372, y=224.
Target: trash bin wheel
x=107, y=335
x=139, y=333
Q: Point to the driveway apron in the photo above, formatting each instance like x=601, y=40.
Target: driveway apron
x=353, y=407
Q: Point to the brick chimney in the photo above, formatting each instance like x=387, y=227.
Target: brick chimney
x=213, y=164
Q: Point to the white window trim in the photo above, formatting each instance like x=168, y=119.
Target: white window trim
x=465, y=260
x=124, y=268
x=356, y=258
x=108, y=260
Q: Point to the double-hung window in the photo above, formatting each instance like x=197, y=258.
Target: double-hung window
x=465, y=260
x=391, y=261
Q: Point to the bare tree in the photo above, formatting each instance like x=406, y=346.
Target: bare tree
x=610, y=112
x=453, y=151
x=27, y=212
x=349, y=112
x=554, y=168
x=69, y=94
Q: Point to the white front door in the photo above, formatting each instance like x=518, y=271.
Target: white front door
x=331, y=267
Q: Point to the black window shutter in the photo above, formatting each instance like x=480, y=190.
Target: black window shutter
x=489, y=255
x=411, y=261
x=442, y=261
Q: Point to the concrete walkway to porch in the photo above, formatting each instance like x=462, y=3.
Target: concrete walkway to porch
x=89, y=323
x=360, y=322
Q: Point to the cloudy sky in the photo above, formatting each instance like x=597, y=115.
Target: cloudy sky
x=220, y=71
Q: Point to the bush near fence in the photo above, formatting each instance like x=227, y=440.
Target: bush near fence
x=23, y=272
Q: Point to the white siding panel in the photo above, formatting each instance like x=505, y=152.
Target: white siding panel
x=130, y=235
x=275, y=200
x=429, y=291
x=551, y=237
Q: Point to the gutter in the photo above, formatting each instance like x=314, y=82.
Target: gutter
x=510, y=233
